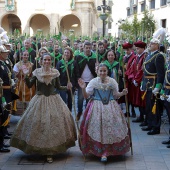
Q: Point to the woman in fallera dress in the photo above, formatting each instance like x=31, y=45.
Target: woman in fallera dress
x=25, y=93
x=47, y=127
x=103, y=131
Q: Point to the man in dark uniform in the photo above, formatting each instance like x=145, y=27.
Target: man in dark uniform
x=165, y=94
x=85, y=69
x=154, y=73
x=5, y=96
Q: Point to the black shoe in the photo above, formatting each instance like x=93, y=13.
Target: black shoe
x=153, y=132
x=146, y=128
x=7, y=137
x=168, y=146
x=166, y=142
x=6, y=145
x=78, y=116
x=133, y=115
x=143, y=124
x=3, y=149
x=137, y=120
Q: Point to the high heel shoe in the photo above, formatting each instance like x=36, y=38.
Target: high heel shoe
x=103, y=159
x=49, y=159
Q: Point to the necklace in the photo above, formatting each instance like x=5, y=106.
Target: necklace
x=103, y=80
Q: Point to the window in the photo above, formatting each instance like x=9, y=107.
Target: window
x=163, y=2
x=128, y=11
x=143, y=7
x=135, y=10
x=152, y=4
x=163, y=23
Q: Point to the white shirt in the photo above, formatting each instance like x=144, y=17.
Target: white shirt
x=87, y=75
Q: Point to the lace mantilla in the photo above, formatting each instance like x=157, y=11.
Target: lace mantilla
x=46, y=77
x=96, y=83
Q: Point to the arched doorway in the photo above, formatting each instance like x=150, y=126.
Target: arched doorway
x=10, y=22
x=39, y=22
x=70, y=23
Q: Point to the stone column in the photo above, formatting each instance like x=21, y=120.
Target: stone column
x=85, y=9
x=54, y=23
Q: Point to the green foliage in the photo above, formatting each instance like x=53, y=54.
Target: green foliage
x=138, y=29
x=148, y=24
x=135, y=27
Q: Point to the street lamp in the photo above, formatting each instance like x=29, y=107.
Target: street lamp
x=104, y=15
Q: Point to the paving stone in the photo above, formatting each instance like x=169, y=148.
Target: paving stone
x=148, y=154
x=156, y=165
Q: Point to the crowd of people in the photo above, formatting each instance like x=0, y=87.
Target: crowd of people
x=44, y=76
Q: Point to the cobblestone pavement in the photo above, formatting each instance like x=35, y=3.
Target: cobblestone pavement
x=148, y=154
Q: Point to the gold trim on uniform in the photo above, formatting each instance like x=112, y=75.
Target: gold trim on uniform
x=166, y=77
x=146, y=62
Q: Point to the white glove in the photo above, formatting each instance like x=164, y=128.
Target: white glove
x=12, y=82
x=168, y=99
x=141, y=88
x=162, y=98
x=135, y=83
x=155, y=91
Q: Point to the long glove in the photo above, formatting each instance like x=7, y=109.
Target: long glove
x=162, y=98
x=168, y=99
x=155, y=91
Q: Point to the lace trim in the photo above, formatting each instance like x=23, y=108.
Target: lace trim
x=46, y=77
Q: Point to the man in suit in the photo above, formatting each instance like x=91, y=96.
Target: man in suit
x=153, y=78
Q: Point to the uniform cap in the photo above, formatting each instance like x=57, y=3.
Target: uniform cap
x=3, y=49
x=140, y=44
x=155, y=41
x=127, y=45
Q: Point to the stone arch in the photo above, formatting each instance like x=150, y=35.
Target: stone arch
x=39, y=21
x=10, y=22
x=70, y=22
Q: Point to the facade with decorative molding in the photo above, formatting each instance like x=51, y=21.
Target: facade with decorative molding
x=159, y=8
x=50, y=16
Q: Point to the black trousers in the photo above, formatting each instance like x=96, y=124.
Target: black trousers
x=167, y=108
x=153, y=120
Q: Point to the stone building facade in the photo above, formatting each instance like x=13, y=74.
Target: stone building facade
x=159, y=8
x=50, y=16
